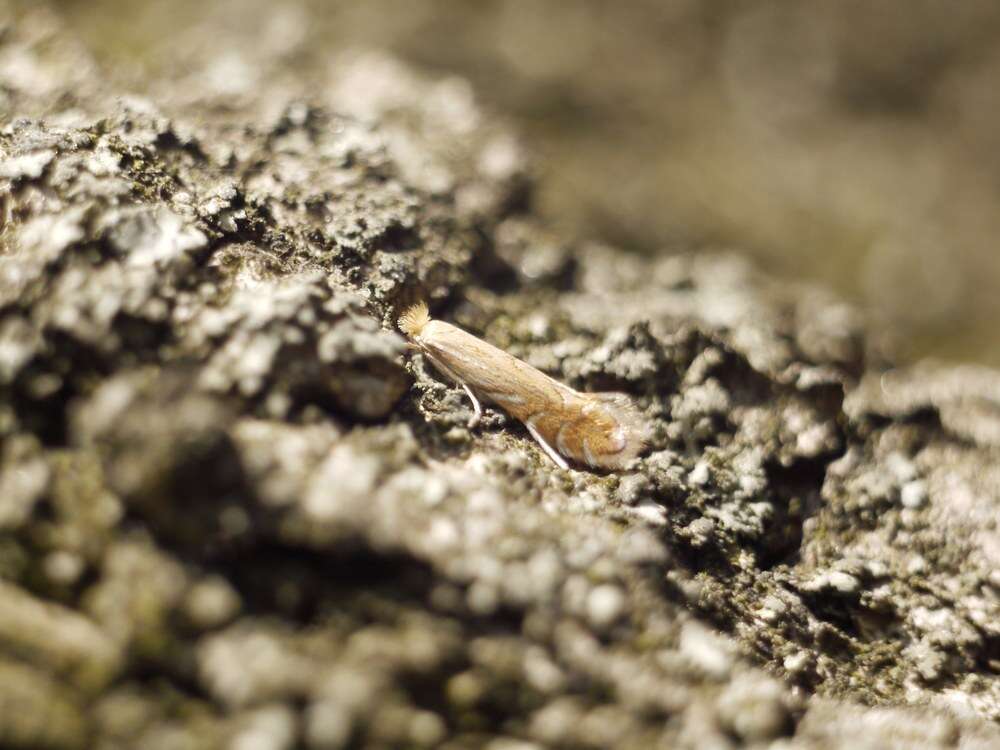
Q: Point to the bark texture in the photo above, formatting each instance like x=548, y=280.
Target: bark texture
x=233, y=513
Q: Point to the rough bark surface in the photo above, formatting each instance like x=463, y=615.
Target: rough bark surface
x=234, y=513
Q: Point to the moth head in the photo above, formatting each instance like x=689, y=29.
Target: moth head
x=413, y=320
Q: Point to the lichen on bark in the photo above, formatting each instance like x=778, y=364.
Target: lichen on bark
x=234, y=513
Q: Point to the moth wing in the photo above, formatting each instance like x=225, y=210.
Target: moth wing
x=627, y=414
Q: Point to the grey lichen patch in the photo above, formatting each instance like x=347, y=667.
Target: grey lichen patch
x=291, y=343
x=964, y=399
x=165, y=447
x=234, y=512
x=57, y=639
x=37, y=711
x=23, y=480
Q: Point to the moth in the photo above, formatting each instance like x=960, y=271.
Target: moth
x=601, y=430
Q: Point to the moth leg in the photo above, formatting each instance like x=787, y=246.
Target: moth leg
x=559, y=460
x=475, y=405
x=477, y=409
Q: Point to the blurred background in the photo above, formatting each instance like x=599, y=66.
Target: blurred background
x=854, y=143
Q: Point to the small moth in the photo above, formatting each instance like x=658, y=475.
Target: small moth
x=602, y=430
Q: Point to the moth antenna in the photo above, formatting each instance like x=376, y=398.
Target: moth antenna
x=413, y=320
